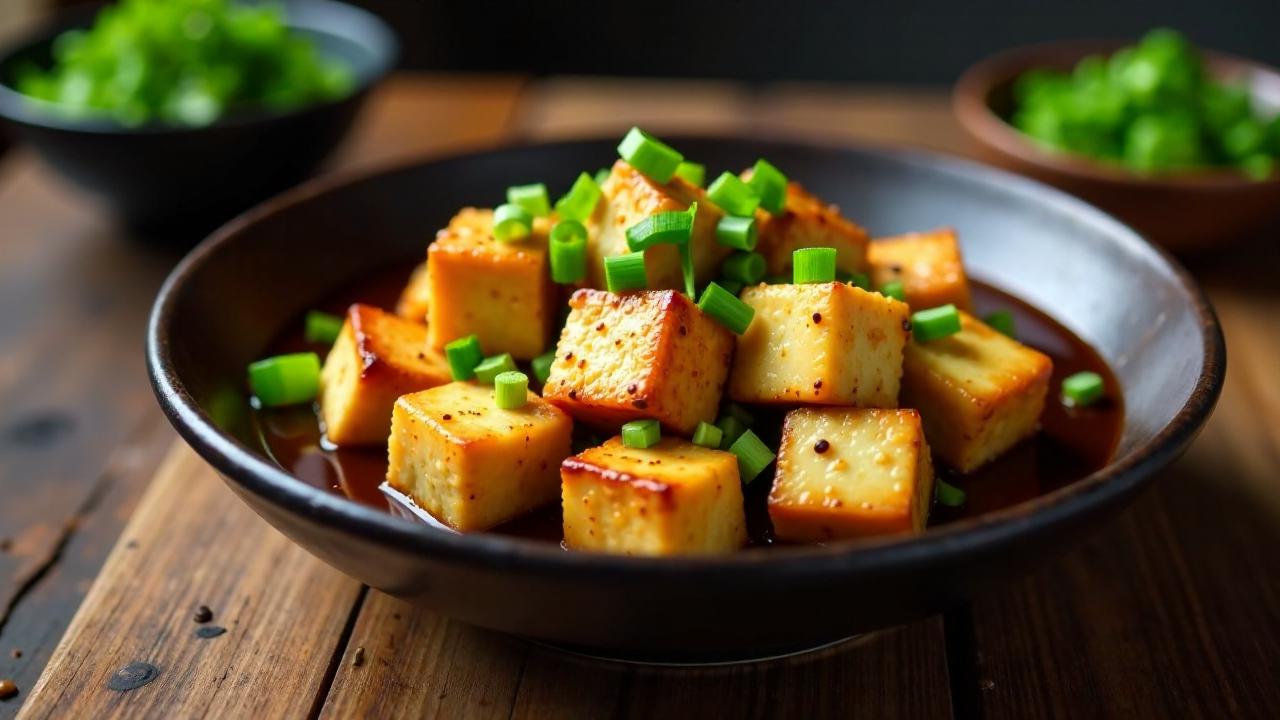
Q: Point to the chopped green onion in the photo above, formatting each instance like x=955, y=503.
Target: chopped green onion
x=732, y=429
x=894, y=289
x=322, y=327
x=541, y=365
x=601, y=175
x=736, y=232
x=285, y=379
x=649, y=155
x=813, y=265
x=568, y=248
x=686, y=267
x=770, y=184
x=463, y=354
x=733, y=286
x=740, y=414
x=725, y=308
x=510, y=390
x=491, y=367
x=707, y=435
x=753, y=456
x=533, y=198
x=1002, y=321
x=1082, y=389
x=693, y=173
x=859, y=280
x=664, y=228
x=625, y=272
x=511, y=222
x=733, y=196
x=641, y=434
x=744, y=267
x=581, y=200
x=949, y=494
x=935, y=323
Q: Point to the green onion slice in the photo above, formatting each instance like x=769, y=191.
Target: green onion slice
x=739, y=233
x=1082, y=389
x=322, y=327
x=625, y=272
x=541, y=366
x=949, y=494
x=510, y=390
x=732, y=429
x=859, y=280
x=693, y=173
x=285, y=379
x=664, y=228
x=744, y=267
x=770, y=185
x=733, y=196
x=733, y=286
x=753, y=455
x=463, y=354
x=707, y=435
x=894, y=289
x=601, y=175
x=649, y=155
x=935, y=323
x=726, y=308
x=532, y=197
x=742, y=415
x=568, y=251
x=1002, y=322
x=581, y=200
x=491, y=367
x=813, y=265
x=641, y=434
x=511, y=222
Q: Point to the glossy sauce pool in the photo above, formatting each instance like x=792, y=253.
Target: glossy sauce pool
x=1071, y=444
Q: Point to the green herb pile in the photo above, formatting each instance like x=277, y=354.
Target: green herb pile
x=184, y=62
x=1150, y=108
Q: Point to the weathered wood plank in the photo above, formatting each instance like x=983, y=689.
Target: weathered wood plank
x=191, y=543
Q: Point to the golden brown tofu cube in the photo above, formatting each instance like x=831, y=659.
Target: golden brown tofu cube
x=500, y=291
x=470, y=464
x=979, y=392
x=820, y=344
x=412, y=304
x=650, y=354
x=807, y=221
x=628, y=198
x=377, y=357
x=674, y=498
x=928, y=264
x=849, y=472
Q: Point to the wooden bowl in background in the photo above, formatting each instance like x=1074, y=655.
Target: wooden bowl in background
x=1186, y=212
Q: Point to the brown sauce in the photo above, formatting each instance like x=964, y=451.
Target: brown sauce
x=1071, y=444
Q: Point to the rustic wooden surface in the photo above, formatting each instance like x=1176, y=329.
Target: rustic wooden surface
x=1173, y=610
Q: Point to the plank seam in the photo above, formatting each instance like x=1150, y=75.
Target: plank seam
x=339, y=651
x=962, y=661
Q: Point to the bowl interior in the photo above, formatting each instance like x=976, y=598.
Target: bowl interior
x=1085, y=269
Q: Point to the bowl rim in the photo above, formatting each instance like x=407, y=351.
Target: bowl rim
x=970, y=104
x=19, y=108
x=256, y=474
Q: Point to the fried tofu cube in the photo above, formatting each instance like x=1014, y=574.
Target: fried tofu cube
x=500, y=291
x=650, y=354
x=978, y=391
x=848, y=473
x=807, y=221
x=377, y=357
x=928, y=264
x=470, y=464
x=674, y=498
x=412, y=304
x=630, y=197
x=820, y=344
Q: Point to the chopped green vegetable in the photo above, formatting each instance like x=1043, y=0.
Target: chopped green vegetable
x=625, y=272
x=733, y=196
x=601, y=175
x=491, y=367
x=641, y=434
x=322, y=327
x=533, y=198
x=894, y=289
x=737, y=232
x=858, y=280
x=753, y=455
x=744, y=267
x=1082, y=389
x=949, y=494
x=725, y=308
x=285, y=379
x=581, y=200
x=541, y=365
x=510, y=390
x=770, y=184
x=693, y=173
x=463, y=354
x=649, y=155
x=664, y=228
x=707, y=435
x=813, y=265
x=511, y=222
x=935, y=323
x=1002, y=322
x=732, y=429
x=741, y=414
x=733, y=286
x=568, y=252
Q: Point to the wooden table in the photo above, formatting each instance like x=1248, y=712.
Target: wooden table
x=1173, y=610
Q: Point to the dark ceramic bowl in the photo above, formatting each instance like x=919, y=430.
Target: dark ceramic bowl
x=162, y=178
x=229, y=297
x=1186, y=212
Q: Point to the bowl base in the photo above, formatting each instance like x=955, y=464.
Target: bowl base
x=710, y=659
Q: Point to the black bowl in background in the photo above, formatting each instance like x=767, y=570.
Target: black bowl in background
x=160, y=178
x=226, y=301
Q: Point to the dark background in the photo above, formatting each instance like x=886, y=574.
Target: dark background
x=926, y=42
